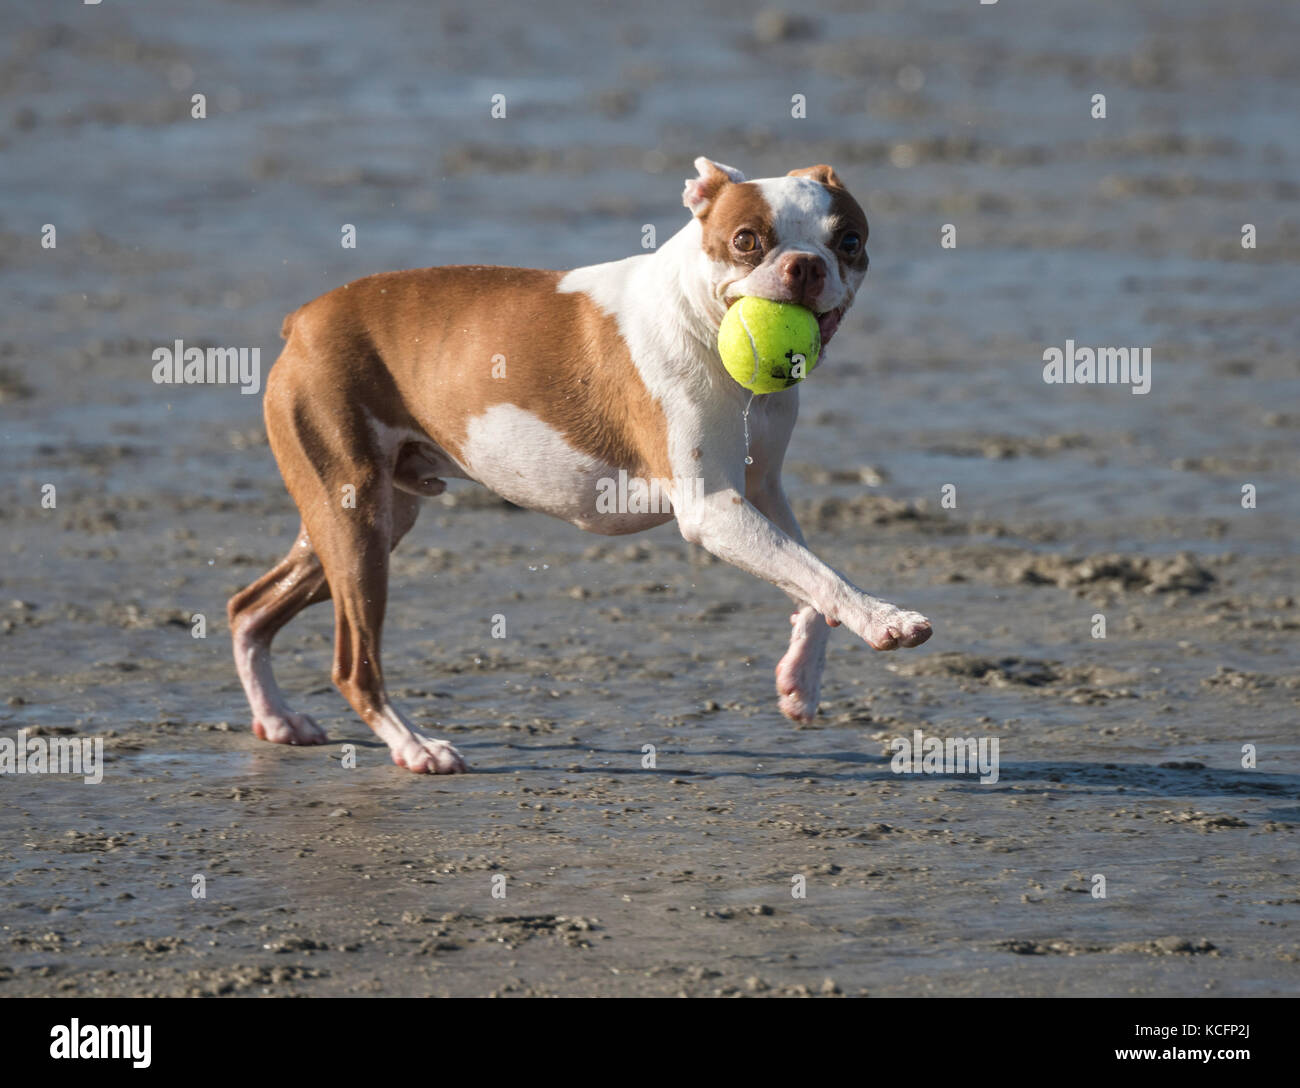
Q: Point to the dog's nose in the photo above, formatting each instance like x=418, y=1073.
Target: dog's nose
x=804, y=275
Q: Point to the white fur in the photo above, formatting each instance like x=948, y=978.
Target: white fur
x=528, y=462
x=412, y=749
x=668, y=306
x=271, y=713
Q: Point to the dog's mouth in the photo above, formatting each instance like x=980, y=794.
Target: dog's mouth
x=827, y=321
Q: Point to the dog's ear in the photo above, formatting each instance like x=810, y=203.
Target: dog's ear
x=821, y=172
x=700, y=191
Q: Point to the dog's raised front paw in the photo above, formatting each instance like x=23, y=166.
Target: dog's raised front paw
x=891, y=630
x=289, y=728
x=428, y=755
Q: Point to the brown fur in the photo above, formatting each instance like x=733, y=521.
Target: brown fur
x=737, y=206
x=821, y=172
x=846, y=213
x=438, y=331
x=416, y=352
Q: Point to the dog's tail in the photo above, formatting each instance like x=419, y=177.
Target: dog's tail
x=286, y=327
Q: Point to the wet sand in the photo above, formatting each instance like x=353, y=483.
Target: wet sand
x=1120, y=757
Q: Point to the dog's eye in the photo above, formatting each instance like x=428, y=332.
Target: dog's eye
x=745, y=241
x=851, y=243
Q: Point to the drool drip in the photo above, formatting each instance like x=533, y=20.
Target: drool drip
x=748, y=460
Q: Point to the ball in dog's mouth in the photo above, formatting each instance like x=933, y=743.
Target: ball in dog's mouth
x=827, y=321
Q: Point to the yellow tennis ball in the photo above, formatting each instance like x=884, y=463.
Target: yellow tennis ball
x=769, y=346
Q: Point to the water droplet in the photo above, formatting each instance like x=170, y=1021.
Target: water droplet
x=748, y=460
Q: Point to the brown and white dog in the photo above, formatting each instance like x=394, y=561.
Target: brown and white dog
x=540, y=385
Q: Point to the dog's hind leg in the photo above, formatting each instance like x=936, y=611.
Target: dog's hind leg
x=341, y=473
x=256, y=614
x=355, y=555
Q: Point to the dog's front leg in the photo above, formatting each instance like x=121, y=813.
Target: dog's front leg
x=722, y=521
x=799, y=672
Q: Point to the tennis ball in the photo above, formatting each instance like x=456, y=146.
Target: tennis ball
x=769, y=346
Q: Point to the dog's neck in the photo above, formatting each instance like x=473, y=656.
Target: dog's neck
x=663, y=300
x=682, y=264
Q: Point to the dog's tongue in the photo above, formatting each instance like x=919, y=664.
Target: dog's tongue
x=828, y=323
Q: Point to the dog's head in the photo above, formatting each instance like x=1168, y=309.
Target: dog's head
x=801, y=238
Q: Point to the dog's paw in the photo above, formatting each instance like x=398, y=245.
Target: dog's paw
x=890, y=630
x=798, y=679
x=798, y=706
x=428, y=755
x=289, y=728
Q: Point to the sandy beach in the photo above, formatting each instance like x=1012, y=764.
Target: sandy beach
x=1162, y=757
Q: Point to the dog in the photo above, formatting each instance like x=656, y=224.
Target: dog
x=539, y=385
